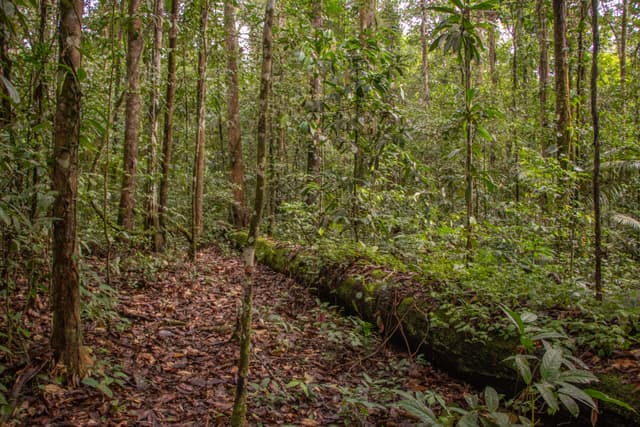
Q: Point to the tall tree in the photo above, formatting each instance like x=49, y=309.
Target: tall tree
x=581, y=72
x=563, y=108
x=313, y=153
x=595, y=31
x=492, y=16
x=66, y=330
x=425, y=52
x=152, y=222
x=622, y=48
x=167, y=141
x=238, y=417
x=543, y=71
x=238, y=207
x=132, y=116
x=199, y=164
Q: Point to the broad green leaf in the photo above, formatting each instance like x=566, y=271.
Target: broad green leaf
x=551, y=362
x=4, y=217
x=529, y=317
x=548, y=394
x=570, y=404
x=443, y=9
x=579, y=376
x=608, y=399
x=501, y=419
x=523, y=369
x=577, y=394
x=491, y=399
x=514, y=317
x=11, y=90
x=106, y=390
x=469, y=419
x=91, y=382
x=485, y=5
x=548, y=335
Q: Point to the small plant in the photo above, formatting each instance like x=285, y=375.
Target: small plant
x=553, y=379
x=104, y=376
x=420, y=406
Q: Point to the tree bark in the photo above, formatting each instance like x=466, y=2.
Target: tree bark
x=66, y=331
x=425, y=52
x=199, y=164
x=468, y=136
x=622, y=50
x=314, y=158
x=595, y=31
x=238, y=417
x=581, y=73
x=167, y=142
x=543, y=72
x=563, y=109
x=132, y=119
x=152, y=222
x=238, y=206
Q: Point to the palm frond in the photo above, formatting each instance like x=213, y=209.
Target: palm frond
x=621, y=165
x=626, y=220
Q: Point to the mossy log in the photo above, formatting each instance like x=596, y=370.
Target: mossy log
x=381, y=296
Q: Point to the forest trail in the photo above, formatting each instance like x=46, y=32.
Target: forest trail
x=310, y=366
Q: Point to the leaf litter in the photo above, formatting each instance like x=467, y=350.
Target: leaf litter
x=174, y=362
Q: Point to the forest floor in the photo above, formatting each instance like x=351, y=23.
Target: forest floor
x=176, y=364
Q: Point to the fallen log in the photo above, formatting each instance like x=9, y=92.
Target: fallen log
x=391, y=300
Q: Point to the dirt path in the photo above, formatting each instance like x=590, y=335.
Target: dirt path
x=310, y=366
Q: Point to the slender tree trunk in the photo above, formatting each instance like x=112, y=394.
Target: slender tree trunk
x=517, y=24
x=468, y=135
x=492, y=16
x=39, y=93
x=563, y=109
x=152, y=222
x=425, y=52
x=622, y=50
x=581, y=73
x=167, y=142
x=596, y=149
x=313, y=155
x=238, y=417
x=364, y=121
x=132, y=119
x=543, y=72
x=66, y=331
x=199, y=165
x=6, y=113
x=238, y=207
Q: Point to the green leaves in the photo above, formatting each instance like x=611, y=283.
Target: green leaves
x=11, y=90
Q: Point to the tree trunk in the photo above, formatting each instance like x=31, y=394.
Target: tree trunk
x=543, y=72
x=66, y=331
x=492, y=16
x=622, y=50
x=238, y=207
x=596, y=150
x=167, y=142
x=581, y=73
x=468, y=135
x=313, y=155
x=563, y=109
x=238, y=417
x=132, y=119
x=199, y=165
x=425, y=52
x=6, y=112
x=515, y=88
x=152, y=222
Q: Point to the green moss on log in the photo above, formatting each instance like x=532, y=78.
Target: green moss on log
x=373, y=291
